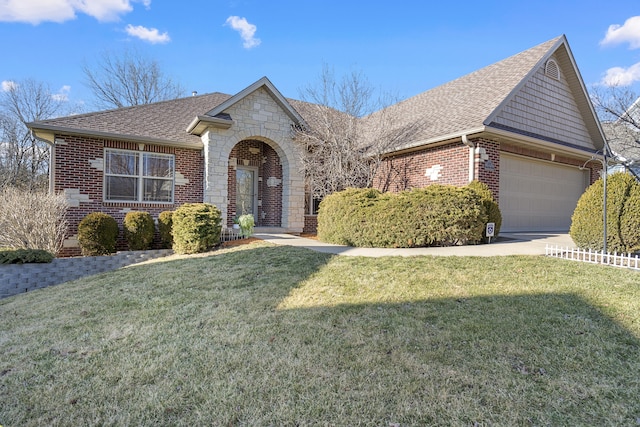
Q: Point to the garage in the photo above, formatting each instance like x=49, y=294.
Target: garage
x=538, y=196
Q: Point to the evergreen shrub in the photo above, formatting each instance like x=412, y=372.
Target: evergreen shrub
x=630, y=220
x=97, y=234
x=587, y=222
x=25, y=256
x=491, y=206
x=196, y=228
x=138, y=228
x=165, y=223
x=437, y=215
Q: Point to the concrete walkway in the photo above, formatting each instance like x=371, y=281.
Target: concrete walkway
x=506, y=244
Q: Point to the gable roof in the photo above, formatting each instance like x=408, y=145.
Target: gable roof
x=169, y=122
x=469, y=104
x=216, y=116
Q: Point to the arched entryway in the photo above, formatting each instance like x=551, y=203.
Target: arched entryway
x=255, y=183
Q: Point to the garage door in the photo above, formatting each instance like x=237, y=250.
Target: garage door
x=537, y=195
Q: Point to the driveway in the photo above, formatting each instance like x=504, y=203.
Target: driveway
x=506, y=244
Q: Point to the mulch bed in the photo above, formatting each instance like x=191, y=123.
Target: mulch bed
x=239, y=242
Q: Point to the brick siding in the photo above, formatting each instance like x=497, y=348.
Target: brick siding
x=78, y=171
x=448, y=164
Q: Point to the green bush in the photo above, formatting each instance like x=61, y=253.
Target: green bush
x=630, y=221
x=97, y=234
x=492, y=209
x=246, y=223
x=138, y=230
x=25, y=256
x=196, y=228
x=437, y=215
x=586, y=222
x=165, y=223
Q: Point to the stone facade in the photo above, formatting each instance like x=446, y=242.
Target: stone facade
x=256, y=117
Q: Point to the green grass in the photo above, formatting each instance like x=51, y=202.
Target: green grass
x=265, y=335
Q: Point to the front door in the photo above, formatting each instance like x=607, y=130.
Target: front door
x=246, y=191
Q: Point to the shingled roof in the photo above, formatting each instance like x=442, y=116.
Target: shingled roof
x=468, y=104
x=460, y=107
x=162, y=122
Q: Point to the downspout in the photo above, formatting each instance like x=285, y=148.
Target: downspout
x=472, y=157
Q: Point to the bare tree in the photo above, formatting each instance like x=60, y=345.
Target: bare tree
x=24, y=160
x=347, y=132
x=618, y=108
x=129, y=79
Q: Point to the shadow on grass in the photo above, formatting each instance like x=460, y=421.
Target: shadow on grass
x=266, y=336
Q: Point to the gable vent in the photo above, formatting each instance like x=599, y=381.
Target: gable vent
x=552, y=70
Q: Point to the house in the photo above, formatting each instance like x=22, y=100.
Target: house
x=524, y=126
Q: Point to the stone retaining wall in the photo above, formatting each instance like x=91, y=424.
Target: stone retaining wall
x=18, y=278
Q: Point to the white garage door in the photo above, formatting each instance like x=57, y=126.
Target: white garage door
x=537, y=195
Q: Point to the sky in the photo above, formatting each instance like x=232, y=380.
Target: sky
x=401, y=47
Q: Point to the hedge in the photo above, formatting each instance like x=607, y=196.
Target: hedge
x=630, y=220
x=437, y=215
x=165, y=225
x=25, y=256
x=196, y=228
x=587, y=222
x=491, y=206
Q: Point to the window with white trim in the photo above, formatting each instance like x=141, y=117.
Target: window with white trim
x=134, y=176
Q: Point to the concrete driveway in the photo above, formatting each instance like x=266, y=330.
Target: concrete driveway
x=506, y=244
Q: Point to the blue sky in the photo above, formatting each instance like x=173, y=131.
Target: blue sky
x=403, y=47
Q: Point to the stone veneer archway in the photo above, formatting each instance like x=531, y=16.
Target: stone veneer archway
x=256, y=117
x=259, y=156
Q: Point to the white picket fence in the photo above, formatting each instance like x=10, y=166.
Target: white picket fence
x=594, y=257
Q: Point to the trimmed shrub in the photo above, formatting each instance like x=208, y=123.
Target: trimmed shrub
x=491, y=206
x=97, y=234
x=138, y=228
x=165, y=223
x=196, y=228
x=437, y=215
x=25, y=256
x=586, y=222
x=630, y=221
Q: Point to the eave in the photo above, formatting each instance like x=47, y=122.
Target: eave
x=499, y=135
x=48, y=133
x=201, y=123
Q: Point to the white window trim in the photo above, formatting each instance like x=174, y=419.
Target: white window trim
x=140, y=177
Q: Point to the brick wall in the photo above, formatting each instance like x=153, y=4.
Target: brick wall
x=487, y=164
x=79, y=173
x=445, y=164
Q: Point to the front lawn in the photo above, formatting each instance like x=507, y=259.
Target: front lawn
x=274, y=335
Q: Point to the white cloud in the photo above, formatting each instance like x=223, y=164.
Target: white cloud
x=618, y=76
x=151, y=35
x=8, y=85
x=629, y=32
x=63, y=94
x=247, y=31
x=37, y=11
